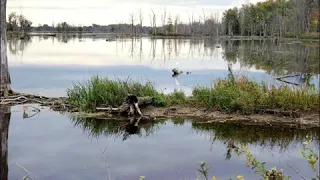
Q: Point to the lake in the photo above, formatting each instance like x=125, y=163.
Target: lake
x=50, y=65
x=51, y=145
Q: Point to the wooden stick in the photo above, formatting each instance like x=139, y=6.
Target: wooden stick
x=297, y=172
x=24, y=170
x=107, y=109
x=287, y=76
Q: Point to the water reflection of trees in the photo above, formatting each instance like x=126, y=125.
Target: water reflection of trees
x=276, y=58
x=269, y=137
x=115, y=128
x=17, y=46
x=266, y=137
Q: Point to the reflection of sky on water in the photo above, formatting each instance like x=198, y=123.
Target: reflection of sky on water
x=45, y=80
x=49, y=66
x=50, y=147
x=100, y=53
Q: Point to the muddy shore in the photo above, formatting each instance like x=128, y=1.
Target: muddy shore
x=267, y=118
x=203, y=115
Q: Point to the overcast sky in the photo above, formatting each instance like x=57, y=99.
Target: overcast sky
x=86, y=12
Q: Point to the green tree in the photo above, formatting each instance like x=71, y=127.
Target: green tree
x=12, y=22
x=170, y=26
x=231, y=20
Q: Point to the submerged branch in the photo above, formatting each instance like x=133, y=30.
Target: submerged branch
x=297, y=172
x=24, y=170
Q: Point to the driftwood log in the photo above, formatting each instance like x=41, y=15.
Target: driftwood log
x=130, y=106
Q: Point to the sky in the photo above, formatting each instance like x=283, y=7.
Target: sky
x=84, y=12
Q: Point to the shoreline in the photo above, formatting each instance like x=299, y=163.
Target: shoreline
x=201, y=115
x=55, y=33
x=205, y=116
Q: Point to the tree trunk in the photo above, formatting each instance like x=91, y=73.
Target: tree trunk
x=5, y=115
x=4, y=71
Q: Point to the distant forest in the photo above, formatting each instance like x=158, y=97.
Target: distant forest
x=272, y=18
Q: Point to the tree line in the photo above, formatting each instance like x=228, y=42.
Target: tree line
x=18, y=23
x=271, y=18
x=278, y=18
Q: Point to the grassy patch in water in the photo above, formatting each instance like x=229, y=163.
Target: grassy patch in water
x=103, y=91
x=98, y=91
x=241, y=94
x=230, y=94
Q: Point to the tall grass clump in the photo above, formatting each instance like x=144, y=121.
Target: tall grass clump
x=174, y=98
x=97, y=91
x=241, y=94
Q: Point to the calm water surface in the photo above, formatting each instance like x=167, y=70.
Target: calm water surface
x=49, y=66
x=56, y=146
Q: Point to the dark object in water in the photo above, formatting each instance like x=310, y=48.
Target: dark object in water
x=110, y=39
x=188, y=73
x=218, y=46
x=176, y=72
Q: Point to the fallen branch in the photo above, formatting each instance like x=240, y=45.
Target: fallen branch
x=23, y=169
x=287, y=76
x=297, y=172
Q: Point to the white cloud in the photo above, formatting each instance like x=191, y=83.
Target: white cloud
x=111, y=11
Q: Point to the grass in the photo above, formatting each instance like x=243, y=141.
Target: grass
x=241, y=94
x=98, y=91
x=231, y=94
x=103, y=91
x=15, y=33
x=312, y=35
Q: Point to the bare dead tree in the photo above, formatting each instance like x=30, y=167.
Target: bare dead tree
x=176, y=21
x=140, y=20
x=132, y=20
x=5, y=80
x=191, y=23
x=163, y=19
x=153, y=21
x=205, y=24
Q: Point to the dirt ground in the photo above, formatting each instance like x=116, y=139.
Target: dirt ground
x=202, y=115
